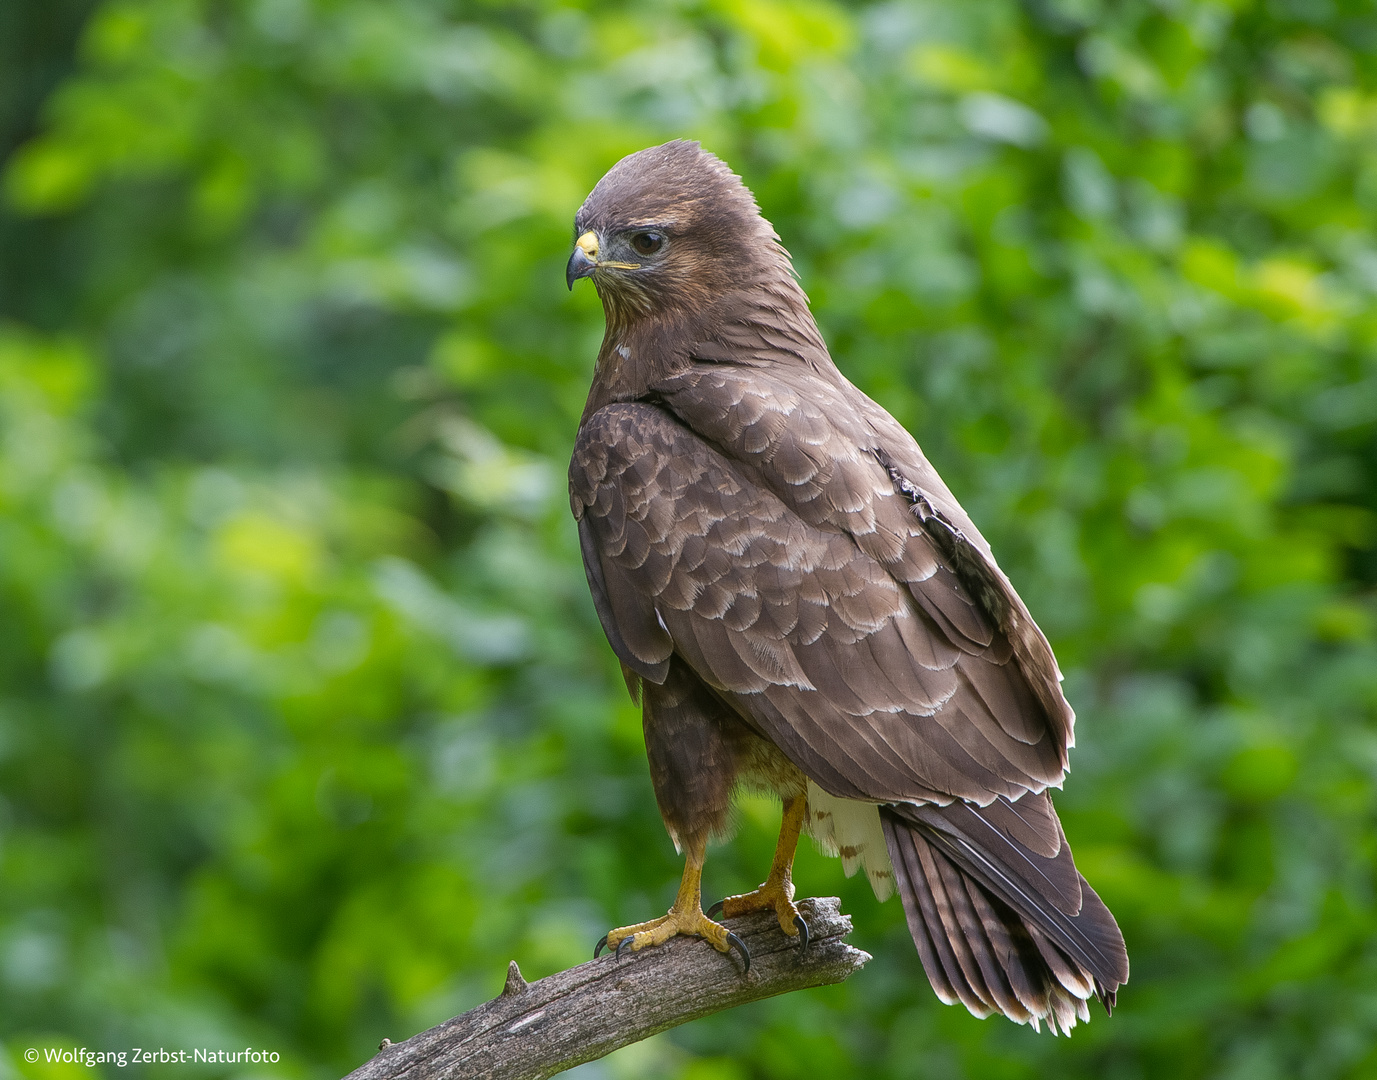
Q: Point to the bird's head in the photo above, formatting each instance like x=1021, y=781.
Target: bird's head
x=671, y=227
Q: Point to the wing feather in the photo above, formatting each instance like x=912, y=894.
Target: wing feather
x=892, y=687
x=884, y=494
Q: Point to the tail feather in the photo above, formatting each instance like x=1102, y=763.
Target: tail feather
x=920, y=913
x=966, y=974
x=969, y=835
x=1004, y=972
x=935, y=945
x=1070, y=977
x=1002, y=925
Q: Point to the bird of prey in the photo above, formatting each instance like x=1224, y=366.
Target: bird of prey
x=799, y=604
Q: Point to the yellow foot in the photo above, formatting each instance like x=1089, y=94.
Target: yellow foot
x=772, y=896
x=690, y=921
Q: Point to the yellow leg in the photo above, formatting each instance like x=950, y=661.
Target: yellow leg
x=776, y=893
x=685, y=917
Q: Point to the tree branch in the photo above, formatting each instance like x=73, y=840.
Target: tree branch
x=534, y=1030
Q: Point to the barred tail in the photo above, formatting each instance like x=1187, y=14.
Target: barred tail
x=1002, y=920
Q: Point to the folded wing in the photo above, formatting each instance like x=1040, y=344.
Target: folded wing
x=858, y=651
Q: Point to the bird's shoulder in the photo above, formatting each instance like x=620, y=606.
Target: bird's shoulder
x=829, y=452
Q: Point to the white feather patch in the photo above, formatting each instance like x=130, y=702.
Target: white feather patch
x=851, y=830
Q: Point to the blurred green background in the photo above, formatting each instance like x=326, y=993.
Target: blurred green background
x=306, y=722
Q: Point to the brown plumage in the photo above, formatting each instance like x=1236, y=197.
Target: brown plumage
x=799, y=602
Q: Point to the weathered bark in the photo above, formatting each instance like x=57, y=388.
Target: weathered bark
x=534, y=1030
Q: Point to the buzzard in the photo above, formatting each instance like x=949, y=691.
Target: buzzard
x=799, y=604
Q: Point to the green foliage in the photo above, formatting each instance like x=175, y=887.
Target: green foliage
x=306, y=724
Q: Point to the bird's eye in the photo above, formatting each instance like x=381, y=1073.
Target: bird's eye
x=647, y=243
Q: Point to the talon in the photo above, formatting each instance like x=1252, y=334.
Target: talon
x=625, y=943
x=602, y=943
x=802, y=925
x=716, y=907
x=734, y=942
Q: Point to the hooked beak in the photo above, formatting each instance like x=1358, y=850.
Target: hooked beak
x=584, y=260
